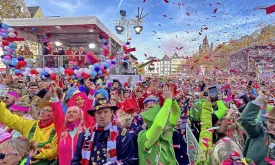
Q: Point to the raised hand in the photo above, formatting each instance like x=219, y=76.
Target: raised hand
x=90, y=85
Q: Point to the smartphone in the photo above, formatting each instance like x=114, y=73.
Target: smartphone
x=213, y=94
x=249, y=83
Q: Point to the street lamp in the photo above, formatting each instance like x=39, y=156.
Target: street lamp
x=138, y=29
x=119, y=29
x=136, y=22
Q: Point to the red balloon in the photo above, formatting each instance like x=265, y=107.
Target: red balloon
x=34, y=72
x=127, y=57
x=104, y=71
x=69, y=71
x=106, y=37
x=16, y=33
x=112, y=57
x=22, y=63
x=85, y=75
x=53, y=76
x=5, y=43
x=17, y=67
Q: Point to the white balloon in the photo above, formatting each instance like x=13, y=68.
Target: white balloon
x=47, y=69
x=50, y=72
x=38, y=70
x=6, y=48
x=0, y=38
x=91, y=67
x=10, y=30
x=33, y=60
x=28, y=69
x=81, y=70
x=26, y=73
x=12, y=35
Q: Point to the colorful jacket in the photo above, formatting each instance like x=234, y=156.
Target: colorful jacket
x=30, y=130
x=256, y=146
x=155, y=146
x=125, y=149
x=66, y=146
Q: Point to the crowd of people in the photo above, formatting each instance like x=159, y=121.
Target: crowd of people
x=158, y=121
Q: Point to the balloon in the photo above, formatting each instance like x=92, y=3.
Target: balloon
x=69, y=71
x=7, y=57
x=28, y=69
x=53, y=76
x=6, y=48
x=20, y=58
x=76, y=71
x=97, y=68
x=5, y=26
x=6, y=62
x=47, y=69
x=75, y=67
x=33, y=29
x=101, y=37
x=106, y=66
x=113, y=62
x=13, y=62
x=96, y=64
x=25, y=73
x=112, y=57
x=3, y=31
x=12, y=35
x=93, y=73
x=50, y=72
x=104, y=71
x=99, y=72
x=108, y=70
x=1, y=37
x=108, y=61
x=38, y=70
x=106, y=37
x=22, y=63
x=17, y=71
x=73, y=77
x=47, y=75
x=101, y=67
x=5, y=35
x=2, y=56
x=10, y=30
x=34, y=72
x=5, y=43
x=91, y=67
x=78, y=75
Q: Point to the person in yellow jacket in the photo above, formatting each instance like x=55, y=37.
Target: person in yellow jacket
x=41, y=131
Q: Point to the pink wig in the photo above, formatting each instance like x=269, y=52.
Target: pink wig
x=72, y=100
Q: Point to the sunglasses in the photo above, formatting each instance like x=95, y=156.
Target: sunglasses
x=46, y=110
x=3, y=156
x=4, y=98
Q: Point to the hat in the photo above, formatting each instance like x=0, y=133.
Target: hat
x=150, y=115
x=150, y=98
x=43, y=103
x=100, y=104
x=271, y=114
x=14, y=94
x=20, y=106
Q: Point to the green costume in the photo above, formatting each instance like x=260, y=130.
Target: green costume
x=155, y=146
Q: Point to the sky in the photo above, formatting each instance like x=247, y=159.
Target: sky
x=171, y=25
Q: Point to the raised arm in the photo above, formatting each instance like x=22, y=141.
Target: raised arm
x=161, y=119
x=222, y=110
x=174, y=116
x=58, y=114
x=249, y=115
x=15, y=122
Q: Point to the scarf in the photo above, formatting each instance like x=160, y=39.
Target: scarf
x=111, y=144
x=72, y=126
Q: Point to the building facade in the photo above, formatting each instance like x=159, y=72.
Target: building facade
x=165, y=66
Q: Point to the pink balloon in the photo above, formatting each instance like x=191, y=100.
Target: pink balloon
x=7, y=58
x=101, y=67
x=78, y=75
x=107, y=46
x=4, y=30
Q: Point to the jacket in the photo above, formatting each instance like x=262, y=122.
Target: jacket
x=255, y=147
x=30, y=130
x=125, y=149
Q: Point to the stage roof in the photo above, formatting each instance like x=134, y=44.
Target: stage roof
x=74, y=30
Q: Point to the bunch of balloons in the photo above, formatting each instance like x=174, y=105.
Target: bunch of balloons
x=105, y=45
x=45, y=38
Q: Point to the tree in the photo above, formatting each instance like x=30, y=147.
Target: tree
x=13, y=9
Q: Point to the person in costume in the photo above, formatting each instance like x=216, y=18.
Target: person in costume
x=18, y=151
x=10, y=99
x=20, y=109
x=81, y=59
x=224, y=152
x=84, y=102
x=68, y=127
x=73, y=59
x=105, y=143
x=150, y=102
x=260, y=137
x=155, y=143
x=41, y=131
